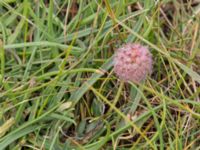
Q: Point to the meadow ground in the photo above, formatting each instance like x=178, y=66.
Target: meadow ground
x=57, y=85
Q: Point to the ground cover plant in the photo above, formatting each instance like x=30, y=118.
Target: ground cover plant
x=58, y=88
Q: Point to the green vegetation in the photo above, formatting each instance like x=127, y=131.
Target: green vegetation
x=57, y=85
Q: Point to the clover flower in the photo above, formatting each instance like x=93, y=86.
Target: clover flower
x=133, y=62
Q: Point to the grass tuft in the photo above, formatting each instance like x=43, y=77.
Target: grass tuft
x=57, y=86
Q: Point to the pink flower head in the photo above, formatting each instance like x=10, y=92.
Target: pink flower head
x=133, y=62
